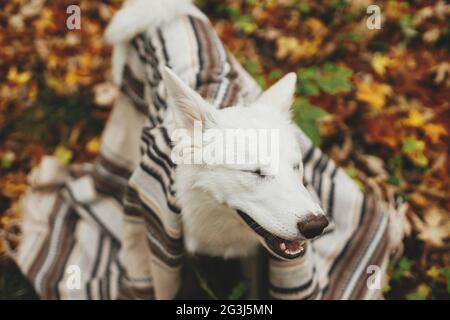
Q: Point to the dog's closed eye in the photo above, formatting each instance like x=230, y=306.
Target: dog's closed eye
x=296, y=167
x=257, y=172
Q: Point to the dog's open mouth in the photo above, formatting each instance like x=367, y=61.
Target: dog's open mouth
x=287, y=249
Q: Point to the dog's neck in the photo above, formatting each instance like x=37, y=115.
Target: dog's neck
x=210, y=227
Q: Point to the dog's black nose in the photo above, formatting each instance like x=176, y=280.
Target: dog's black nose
x=313, y=225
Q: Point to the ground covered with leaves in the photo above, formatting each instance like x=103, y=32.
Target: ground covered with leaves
x=376, y=100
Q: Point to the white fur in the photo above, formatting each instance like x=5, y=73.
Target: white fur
x=210, y=227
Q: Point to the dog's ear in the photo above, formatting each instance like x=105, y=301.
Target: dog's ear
x=279, y=94
x=190, y=106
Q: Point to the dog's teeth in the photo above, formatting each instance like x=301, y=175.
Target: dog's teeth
x=283, y=246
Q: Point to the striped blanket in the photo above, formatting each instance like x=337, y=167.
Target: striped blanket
x=112, y=229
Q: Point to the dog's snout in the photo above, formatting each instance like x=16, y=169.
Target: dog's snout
x=313, y=225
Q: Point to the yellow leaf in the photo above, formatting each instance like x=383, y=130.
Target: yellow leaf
x=71, y=78
x=394, y=9
x=434, y=132
x=294, y=49
x=11, y=188
x=285, y=45
x=317, y=27
x=415, y=119
x=419, y=200
x=380, y=62
x=45, y=21
x=63, y=154
x=306, y=48
x=4, y=220
x=433, y=272
x=33, y=92
x=53, y=61
x=18, y=77
x=423, y=290
x=374, y=94
x=93, y=146
x=85, y=62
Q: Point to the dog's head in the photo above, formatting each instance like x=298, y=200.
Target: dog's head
x=268, y=195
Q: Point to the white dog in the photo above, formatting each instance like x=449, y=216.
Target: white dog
x=276, y=204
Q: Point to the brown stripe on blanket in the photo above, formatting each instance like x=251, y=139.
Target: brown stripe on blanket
x=293, y=290
x=315, y=294
x=347, y=261
x=167, y=189
x=315, y=170
x=131, y=203
x=134, y=89
x=308, y=155
x=112, y=167
x=157, y=158
x=208, y=78
x=215, y=77
x=65, y=244
x=164, y=247
x=319, y=173
x=128, y=292
x=107, y=187
x=86, y=208
x=289, y=292
x=164, y=150
x=43, y=250
x=162, y=255
x=332, y=191
x=281, y=293
x=163, y=46
x=106, y=182
x=95, y=285
x=155, y=226
x=157, y=103
x=162, y=146
x=165, y=136
x=60, y=246
x=106, y=283
x=94, y=272
x=147, y=55
x=377, y=260
x=232, y=94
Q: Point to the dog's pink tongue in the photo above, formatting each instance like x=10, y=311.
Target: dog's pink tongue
x=292, y=245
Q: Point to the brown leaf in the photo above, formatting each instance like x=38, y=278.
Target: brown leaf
x=434, y=229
